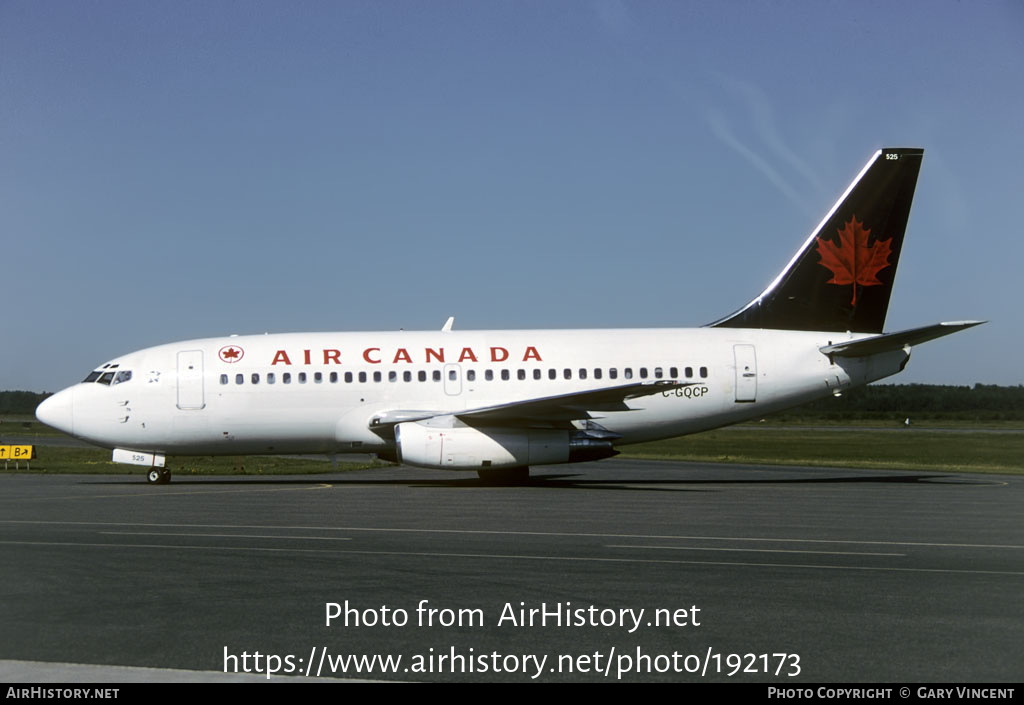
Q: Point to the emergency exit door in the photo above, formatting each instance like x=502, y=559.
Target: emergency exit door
x=452, y=380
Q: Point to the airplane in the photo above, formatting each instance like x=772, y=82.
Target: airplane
x=499, y=401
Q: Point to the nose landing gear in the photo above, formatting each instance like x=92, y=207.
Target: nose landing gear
x=158, y=476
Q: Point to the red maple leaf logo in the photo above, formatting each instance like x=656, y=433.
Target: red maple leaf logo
x=853, y=261
x=231, y=353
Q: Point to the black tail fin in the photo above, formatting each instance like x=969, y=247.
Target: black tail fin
x=842, y=277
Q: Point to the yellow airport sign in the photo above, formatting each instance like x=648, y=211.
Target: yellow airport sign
x=17, y=452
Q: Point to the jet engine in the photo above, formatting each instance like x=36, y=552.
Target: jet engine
x=469, y=448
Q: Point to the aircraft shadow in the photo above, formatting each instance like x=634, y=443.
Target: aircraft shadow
x=572, y=481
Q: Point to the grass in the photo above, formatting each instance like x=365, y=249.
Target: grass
x=971, y=450
x=881, y=421
x=973, y=446
x=23, y=426
x=55, y=459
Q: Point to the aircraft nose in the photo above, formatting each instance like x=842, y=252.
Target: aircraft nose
x=58, y=411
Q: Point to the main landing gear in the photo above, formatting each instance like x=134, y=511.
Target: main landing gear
x=158, y=476
x=504, y=476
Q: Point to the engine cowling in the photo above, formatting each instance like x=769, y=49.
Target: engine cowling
x=468, y=448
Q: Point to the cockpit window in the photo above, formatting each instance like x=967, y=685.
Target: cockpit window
x=108, y=375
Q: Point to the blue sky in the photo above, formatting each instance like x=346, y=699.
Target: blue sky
x=173, y=170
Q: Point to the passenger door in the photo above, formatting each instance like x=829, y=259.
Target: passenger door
x=746, y=373
x=190, y=380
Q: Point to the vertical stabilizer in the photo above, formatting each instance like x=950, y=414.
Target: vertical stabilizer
x=842, y=277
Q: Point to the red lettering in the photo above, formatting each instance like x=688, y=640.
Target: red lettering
x=531, y=354
x=467, y=354
x=332, y=356
x=366, y=356
x=402, y=354
x=499, y=354
x=281, y=356
x=438, y=355
x=306, y=356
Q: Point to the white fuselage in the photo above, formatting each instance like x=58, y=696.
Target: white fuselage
x=319, y=392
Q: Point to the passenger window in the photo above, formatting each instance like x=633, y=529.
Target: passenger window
x=318, y=377
x=520, y=374
x=489, y=375
x=689, y=372
x=436, y=376
x=255, y=377
x=348, y=378
x=657, y=373
x=239, y=378
x=421, y=376
x=334, y=378
x=392, y=376
x=673, y=372
x=643, y=373
x=703, y=371
x=597, y=373
x=271, y=378
x=302, y=378
x=567, y=373
x=223, y=379
x=362, y=377
x=583, y=373
x=407, y=376
x=628, y=373
x=377, y=377
x=552, y=373
x=613, y=373
x=536, y=374
x=471, y=375
x=505, y=375
x=452, y=375
x=286, y=378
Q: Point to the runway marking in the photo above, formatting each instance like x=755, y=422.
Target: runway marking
x=231, y=536
x=494, y=532
x=505, y=557
x=157, y=493
x=757, y=550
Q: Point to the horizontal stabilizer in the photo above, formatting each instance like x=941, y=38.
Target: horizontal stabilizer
x=895, y=341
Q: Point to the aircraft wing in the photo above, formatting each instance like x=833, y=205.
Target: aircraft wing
x=566, y=407
x=558, y=408
x=895, y=341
